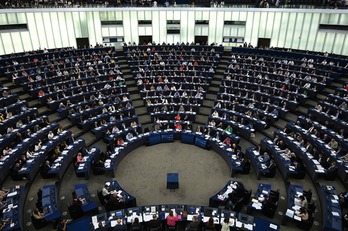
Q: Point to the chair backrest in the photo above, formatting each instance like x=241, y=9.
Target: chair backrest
x=101, y=197
x=136, y=228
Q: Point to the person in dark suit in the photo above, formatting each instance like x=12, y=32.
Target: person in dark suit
x=101, y=227
x=239, y=190
x=46, y=168
x=154, y=223
x=299, y=171
x=119, y=225
x=136, y=225
x=271, y=169
x=72, y=139
x=114, y=202
x=210, y=226
x=193, y=226
x=322, y=160
x=331, y=172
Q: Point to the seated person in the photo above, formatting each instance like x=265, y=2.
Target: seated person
x=264, y=158
x=210, y=225
x=2, y=204
x=15, y=172
x=78, y=200
x=136, y=225
x=304, y=202
x=46, y=167
x=154, y=223
x=115, y=202
x=331, y=172
x=298, y=170
x=38, y=215
x=343, y=197
x=172, y=219
x=119, y=225
x=120, y=141
x=105, y=191
x=303, y=213
x=62, y=225
x=79, y=158
x=271, y=169
x=193, y=226
x=4, y=192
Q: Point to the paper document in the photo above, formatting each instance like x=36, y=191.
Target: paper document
x=290, y=213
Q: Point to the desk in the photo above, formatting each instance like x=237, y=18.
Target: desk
x=330, y=208
x=282, y=161
x=237, y=220
x=81, y=191
x=221, y=198
x=261, y=195
x=84, y=168
x=14, y=209
x=172, y=181
x=22, y=147
x=129, y=200
x=259, y=168
x=294, y=191
x=31, y=167
x=201, y=140
x=50, y=202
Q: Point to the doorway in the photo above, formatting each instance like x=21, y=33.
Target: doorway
x=145, y=39
x=202, y=40
x=263, y=42
x=82, y=42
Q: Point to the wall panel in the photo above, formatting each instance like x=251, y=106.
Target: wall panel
x=293, y=28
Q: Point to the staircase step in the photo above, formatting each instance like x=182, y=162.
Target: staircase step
x=302, y=110
x=311, y=103
x=214, y=90
x=25, y=96
x=269, y=132
x=64, y=123
x=138, y=102
x=141, y=111
x=291, y=117
x=280, y=124
x=89, y=138
x=144, y=119
x=329, y=90
x=53, y=118
x=8, y=84
x=216, y=82
x=205, y=111
x=336, y=85
x=208, y=103
x=75, y=130
x=135, y=96
x=201, y=119
x=321, y=96
x=34, y=103
x=132, y=89
x=43, y=110
x=210, y=96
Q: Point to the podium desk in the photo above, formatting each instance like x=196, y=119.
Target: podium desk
x=172, y=181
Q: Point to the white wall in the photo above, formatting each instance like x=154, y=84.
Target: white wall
x=293, y=28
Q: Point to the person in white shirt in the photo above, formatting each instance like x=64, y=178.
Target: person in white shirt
x=50, y=135
x=37, y=146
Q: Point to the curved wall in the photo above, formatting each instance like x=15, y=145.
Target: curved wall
x=59, y=27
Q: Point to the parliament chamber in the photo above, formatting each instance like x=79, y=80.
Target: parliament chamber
x=158, y=118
